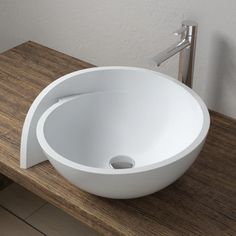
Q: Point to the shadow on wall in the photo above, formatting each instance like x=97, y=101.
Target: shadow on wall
x=222, y=75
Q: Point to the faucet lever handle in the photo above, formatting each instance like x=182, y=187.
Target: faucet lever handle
x=180, y=30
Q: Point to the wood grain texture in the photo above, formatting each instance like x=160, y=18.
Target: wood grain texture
x=202, y=202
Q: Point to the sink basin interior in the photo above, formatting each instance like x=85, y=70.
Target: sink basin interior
x=120, y=132
x=130, y=128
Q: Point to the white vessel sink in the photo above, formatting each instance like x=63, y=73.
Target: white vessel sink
x=134, y=135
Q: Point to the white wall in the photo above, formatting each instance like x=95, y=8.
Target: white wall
x=130, y=32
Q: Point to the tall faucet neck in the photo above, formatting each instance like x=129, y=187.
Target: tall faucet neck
x=187, y=56
x=186, y=47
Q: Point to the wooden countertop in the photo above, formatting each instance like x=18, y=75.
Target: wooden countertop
x=202, y=202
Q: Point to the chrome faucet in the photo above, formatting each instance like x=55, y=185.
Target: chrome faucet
x=186, y=47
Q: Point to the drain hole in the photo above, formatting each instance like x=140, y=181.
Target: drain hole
x=121, y=162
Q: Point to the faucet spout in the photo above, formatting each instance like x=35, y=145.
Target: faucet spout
x=171, y=51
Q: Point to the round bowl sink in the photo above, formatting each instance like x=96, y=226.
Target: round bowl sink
x=126, y=140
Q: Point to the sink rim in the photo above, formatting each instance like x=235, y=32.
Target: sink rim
x=51, y=153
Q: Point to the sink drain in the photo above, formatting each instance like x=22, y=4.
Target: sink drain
x=121, y=162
